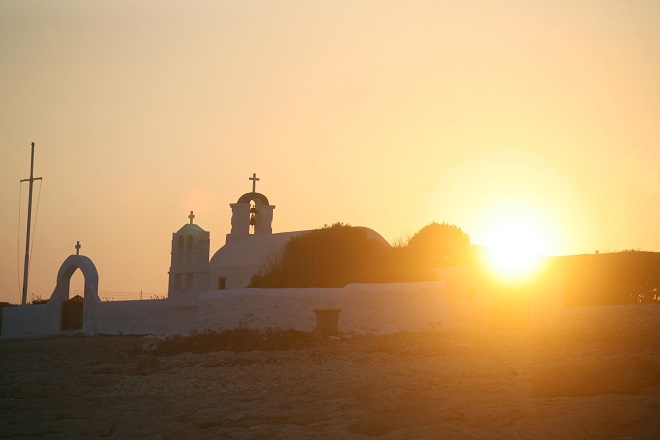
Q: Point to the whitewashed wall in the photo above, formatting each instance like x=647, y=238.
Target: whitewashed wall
x=366, y=308
x=143, y=317
x=28, y=321
x=456, y=301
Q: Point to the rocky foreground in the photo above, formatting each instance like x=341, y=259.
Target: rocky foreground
x=591, y=373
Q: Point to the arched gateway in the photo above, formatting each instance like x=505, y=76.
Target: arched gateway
x=59, y=300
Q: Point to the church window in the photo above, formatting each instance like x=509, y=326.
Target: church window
x=189, y=246
x=222, y=283
x=179, y=249
x=177, y=281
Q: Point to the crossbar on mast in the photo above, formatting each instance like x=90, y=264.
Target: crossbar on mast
x=29, y=221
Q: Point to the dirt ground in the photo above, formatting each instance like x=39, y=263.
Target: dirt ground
x=594, y=373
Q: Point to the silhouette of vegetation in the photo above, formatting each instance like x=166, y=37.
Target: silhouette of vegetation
x=627, y=277
x=334, y=256
x=37, y=299
x=440, y=245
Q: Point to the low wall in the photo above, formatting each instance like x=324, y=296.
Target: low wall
x=25, y=321
x=132, y=317
x=454, y=302
x=366, y=308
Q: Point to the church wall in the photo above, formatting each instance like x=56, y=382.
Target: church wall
x=29, y=320
x=145, y=317
x=237, y=277
x=366, y=309
x=131, y=317
x=454, y=303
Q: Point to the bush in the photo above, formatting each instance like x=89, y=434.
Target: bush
x=332, y=256
x=337, y=255
x=439, y=245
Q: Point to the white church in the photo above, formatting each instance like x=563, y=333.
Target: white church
x=211, y=293
x=247, y=246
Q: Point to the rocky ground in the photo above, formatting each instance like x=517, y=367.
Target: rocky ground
x=593, y=373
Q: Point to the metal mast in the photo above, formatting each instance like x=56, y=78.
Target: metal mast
x=29, y=221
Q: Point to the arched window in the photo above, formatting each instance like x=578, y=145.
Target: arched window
x=179, y=250
x=189, y=247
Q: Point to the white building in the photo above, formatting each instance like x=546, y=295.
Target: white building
x=248, y=246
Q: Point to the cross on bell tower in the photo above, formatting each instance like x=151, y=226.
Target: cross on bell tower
x=254, y=180
x=78, y=248
x=191, y=217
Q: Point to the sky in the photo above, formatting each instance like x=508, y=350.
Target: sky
x=378, y=113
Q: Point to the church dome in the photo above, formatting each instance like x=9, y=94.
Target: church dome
x=189, y=228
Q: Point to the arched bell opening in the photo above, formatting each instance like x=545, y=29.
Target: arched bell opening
x=189, y=248
x=179, y=249
x=251, y=215
x=254, y=212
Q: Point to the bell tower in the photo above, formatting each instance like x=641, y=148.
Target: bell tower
x=189, y=269
x=251, y=214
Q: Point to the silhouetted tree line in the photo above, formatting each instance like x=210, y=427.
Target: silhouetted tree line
x=334, y=256
x=628, y=277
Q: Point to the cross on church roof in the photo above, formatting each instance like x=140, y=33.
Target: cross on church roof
x=191, y=217
x=254, y=180
x=78, y=248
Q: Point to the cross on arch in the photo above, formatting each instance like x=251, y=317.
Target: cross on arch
x=78, y=248
x=191, y=217
x=254, y=180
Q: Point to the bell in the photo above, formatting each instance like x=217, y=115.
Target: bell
x=253, y=210
x=253, y=220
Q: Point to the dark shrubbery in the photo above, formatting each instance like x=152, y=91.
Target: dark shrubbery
x=337, y=255
x=332, y=256
x=439, y=245
x=37, y=300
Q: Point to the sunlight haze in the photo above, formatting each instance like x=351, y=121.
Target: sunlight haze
x=385, y=114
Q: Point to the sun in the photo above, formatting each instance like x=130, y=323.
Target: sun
x=514, y=249
x=515, y=241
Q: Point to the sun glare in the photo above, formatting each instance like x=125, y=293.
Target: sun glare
x=515, y=242
x=514, y=250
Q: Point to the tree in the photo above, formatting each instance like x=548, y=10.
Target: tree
x=439, y=245
x=332, y=256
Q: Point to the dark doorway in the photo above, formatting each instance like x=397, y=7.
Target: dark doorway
x=72, y=313
x=222, y=283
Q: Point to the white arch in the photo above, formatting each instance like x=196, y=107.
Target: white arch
x=61, y=293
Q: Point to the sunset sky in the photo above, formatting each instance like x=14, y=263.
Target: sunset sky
x=386, y=114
